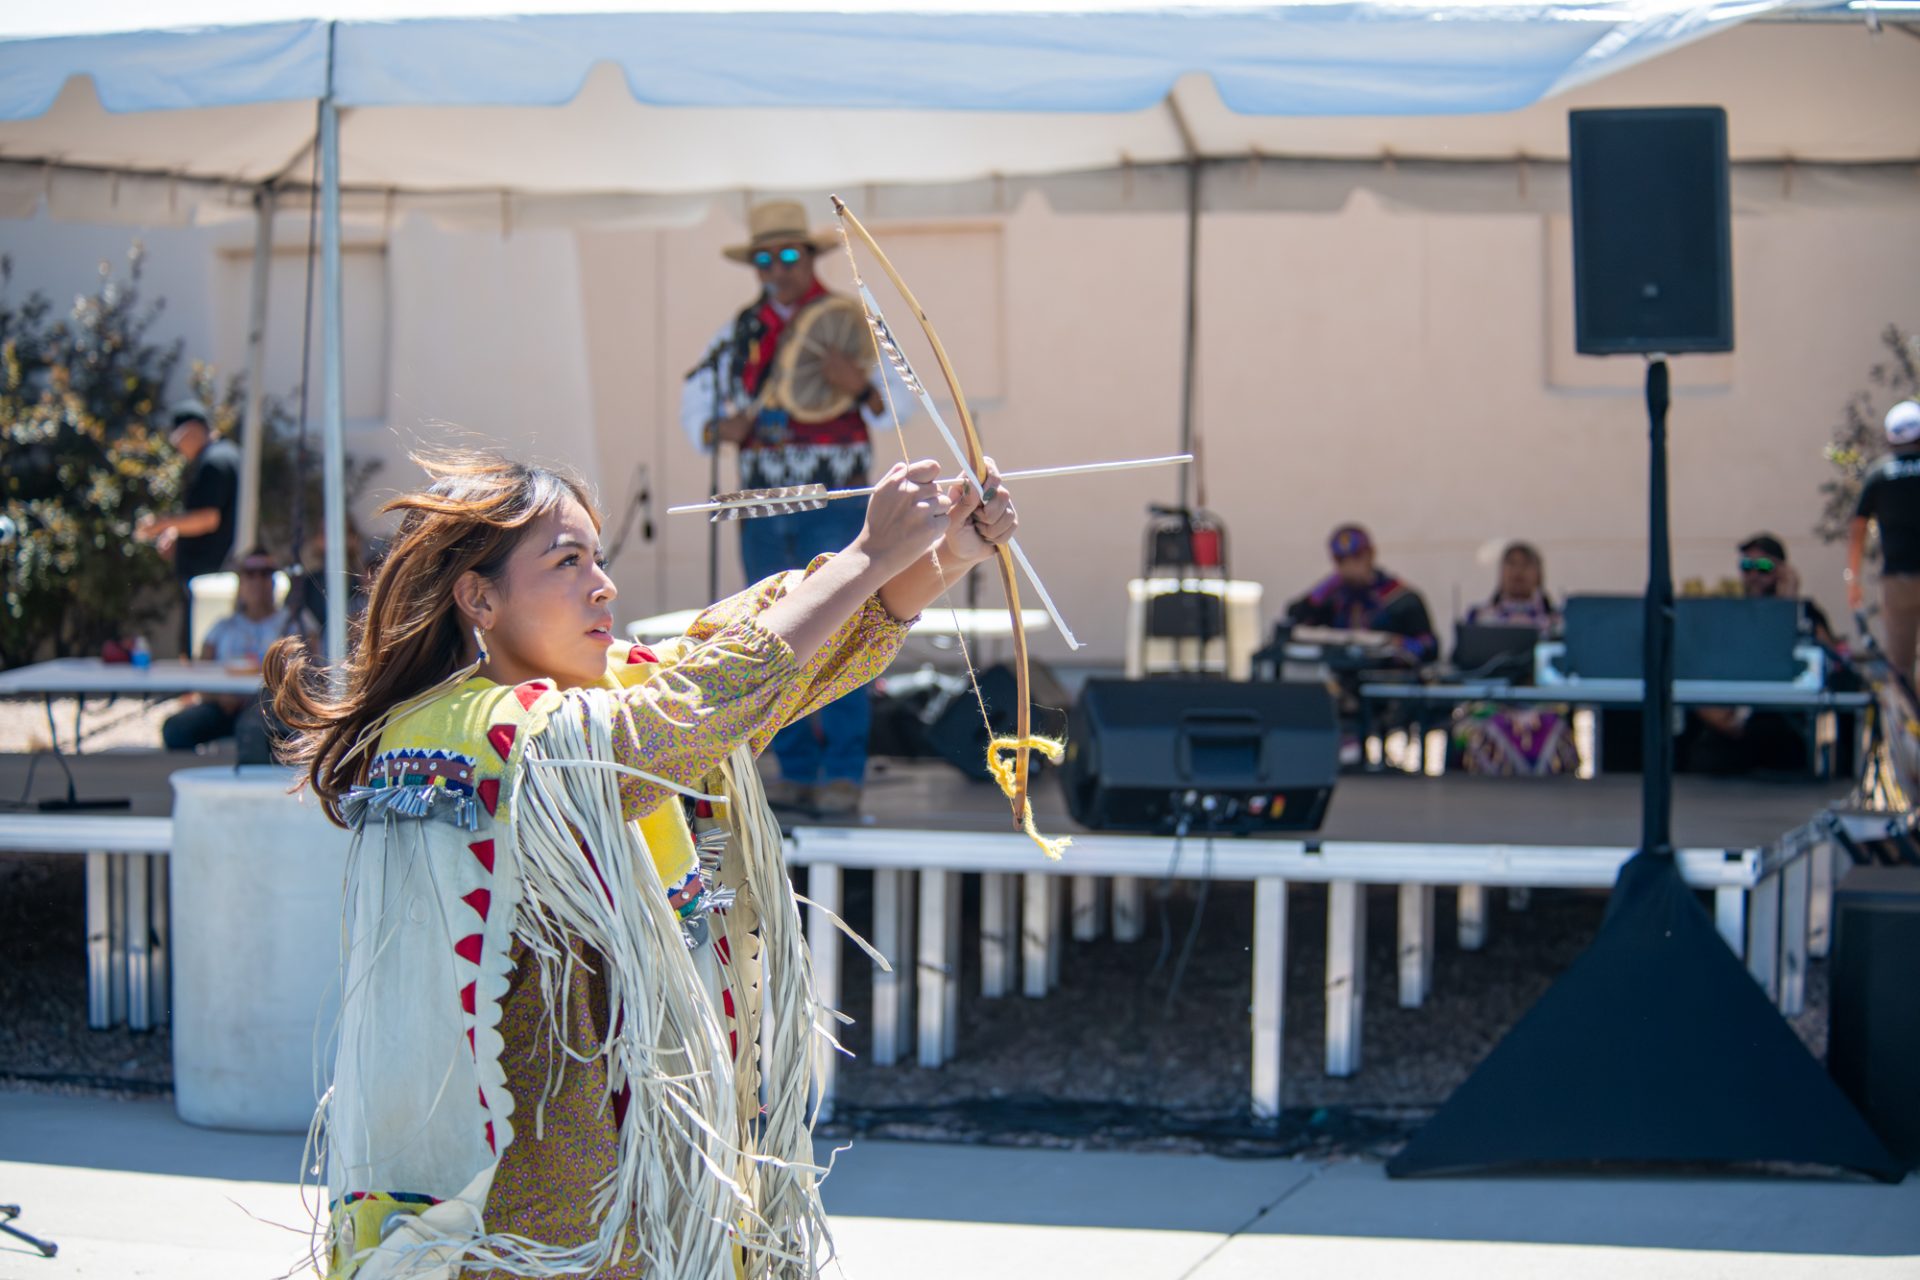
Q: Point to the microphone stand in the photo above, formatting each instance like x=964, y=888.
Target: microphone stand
x=712, y=365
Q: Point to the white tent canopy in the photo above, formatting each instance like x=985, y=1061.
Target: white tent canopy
x=671, y=103
x=525, y=111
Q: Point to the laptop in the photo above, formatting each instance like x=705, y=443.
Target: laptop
x=1485, y=652
x=1714, y=638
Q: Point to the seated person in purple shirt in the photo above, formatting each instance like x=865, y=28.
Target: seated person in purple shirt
x=1360, y=596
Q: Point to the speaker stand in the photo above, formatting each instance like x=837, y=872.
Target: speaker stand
x=1656, y=1047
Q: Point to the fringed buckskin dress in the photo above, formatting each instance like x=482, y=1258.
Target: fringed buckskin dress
x=556, y=968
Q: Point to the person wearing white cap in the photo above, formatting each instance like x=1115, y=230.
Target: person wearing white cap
x=1890, y=497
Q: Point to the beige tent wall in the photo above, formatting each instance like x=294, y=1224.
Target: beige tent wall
x=1412, y=371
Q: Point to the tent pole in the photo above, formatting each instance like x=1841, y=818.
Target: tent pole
x=253, y=437
x=334, y=469
x=1190, y=338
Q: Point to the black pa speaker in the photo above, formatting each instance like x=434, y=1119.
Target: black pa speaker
x=1141, y=754
x=1652, y=236
x=1873, y=1037
x=959, y=734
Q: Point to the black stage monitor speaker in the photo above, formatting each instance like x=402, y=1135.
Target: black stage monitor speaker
x=1652, y=239
x=1242, y=758
x=1873, y=1040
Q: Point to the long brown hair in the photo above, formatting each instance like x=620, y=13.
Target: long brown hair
x=411, y=636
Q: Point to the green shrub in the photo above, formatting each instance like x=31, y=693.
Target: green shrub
x=80, y=463
x=84, y=455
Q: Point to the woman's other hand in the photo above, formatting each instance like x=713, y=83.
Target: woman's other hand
x=907, y=516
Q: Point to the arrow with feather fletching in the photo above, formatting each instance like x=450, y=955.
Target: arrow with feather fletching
x=750, y=504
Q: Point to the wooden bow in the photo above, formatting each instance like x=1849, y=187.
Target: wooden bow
x=972, y=457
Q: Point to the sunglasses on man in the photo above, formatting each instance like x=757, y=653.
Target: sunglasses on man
x=787, y=257
x=1758, y=564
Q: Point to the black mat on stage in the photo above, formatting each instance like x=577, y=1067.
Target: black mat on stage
x=1624, y=1064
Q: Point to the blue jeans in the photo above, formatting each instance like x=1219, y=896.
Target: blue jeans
x=831, y=744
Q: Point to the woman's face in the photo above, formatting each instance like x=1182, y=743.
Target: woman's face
x=1519, y=576
x=549, y=613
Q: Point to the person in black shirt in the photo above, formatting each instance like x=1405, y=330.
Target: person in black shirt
x=199, y=537
x=1890, y=497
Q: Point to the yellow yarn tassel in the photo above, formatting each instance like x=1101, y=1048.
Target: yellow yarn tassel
x=1055, y=751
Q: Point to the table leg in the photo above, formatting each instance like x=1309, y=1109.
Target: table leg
x=996, y=933
x=950, y=1042
x=1763, y=935
x=936, y=887
x=1086, y=908
x=1129, y=909
x=139, y=946
x=1730, y=918
x=159, y=895
x=1820, y=899
x=1346, y=974
x=1269, y=993
x=1036, y=930
x=99, y=943
x=823, y=942
x=1795, y=881
x=1056, y=934
x=1416, y=944
x=117, y=935
x=1471, y=907
x=889, y=903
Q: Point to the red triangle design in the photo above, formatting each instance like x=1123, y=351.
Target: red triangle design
x=483, y=850
x=466, y=997
x=490, y=1146
x=489, y=789
x=529, y=693
x=472, y=1048
x=502, y=736
x=640, y=653
x=468, y=948
x=480, y=900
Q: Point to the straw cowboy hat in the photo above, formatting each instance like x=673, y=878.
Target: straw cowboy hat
x=780, y=222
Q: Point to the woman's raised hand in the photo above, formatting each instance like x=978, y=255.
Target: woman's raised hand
x=907, y=516
x=975, y=528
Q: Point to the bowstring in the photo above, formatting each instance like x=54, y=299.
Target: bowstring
x=868, y=305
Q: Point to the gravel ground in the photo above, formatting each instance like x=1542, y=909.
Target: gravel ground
x=1115, y=1058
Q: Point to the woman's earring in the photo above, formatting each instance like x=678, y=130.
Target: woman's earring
x=480, y=642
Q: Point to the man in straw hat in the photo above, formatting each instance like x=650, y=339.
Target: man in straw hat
x=823, y=760
x=1890, y=497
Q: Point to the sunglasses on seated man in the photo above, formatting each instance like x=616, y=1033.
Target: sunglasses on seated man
x=1758, y=564
x=789, y=256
